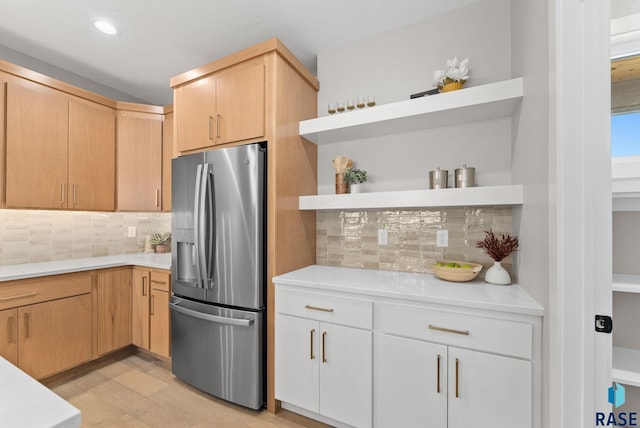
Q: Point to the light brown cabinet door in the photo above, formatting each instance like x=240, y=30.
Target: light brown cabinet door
x=37, y=133
x=92, y=156
x=168, y=151
x=139, y=161
x=9, y=335
x=195, y=114
x=54, y=336
x=240, y=103
x=140, y=289
x=159, y=340
x=112, y=297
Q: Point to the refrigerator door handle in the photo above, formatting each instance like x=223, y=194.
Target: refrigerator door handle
x=209, y=317
x=206, y=234
x=196, y=226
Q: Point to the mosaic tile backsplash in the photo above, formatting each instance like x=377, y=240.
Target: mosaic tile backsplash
x=29, y=236
x=350, y=238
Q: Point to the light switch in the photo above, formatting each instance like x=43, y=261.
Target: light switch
x=383, y=238
x=442, y=238
x=131, y=232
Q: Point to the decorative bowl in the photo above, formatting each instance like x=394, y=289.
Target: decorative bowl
x=456, y=271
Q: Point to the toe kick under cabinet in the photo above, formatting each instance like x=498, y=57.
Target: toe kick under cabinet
x=365, y=348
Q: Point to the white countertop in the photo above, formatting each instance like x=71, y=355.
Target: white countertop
x=26, y=403
x=32, y=270
x=414, y=286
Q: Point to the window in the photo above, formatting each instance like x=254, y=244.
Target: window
x=625, y=134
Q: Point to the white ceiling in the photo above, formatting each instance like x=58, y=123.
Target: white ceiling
x=162, y=38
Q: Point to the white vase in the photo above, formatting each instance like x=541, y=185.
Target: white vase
x=496, y=274
x=355, y=188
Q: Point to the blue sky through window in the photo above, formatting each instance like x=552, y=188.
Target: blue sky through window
x=625, y=134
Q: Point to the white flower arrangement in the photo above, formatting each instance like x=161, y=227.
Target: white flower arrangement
x=455, y=72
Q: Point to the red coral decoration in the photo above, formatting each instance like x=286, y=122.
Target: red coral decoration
x=498, y=249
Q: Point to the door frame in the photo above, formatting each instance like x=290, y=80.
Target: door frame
x=579, y=371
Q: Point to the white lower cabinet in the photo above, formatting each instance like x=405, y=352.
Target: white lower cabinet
x=323, y=367
x=420, y=379
x=355, y=359
x=422, y=384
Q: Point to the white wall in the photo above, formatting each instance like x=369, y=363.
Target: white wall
x=399, y=63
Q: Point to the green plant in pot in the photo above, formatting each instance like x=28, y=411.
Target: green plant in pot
x=161, y=241
x=355, y=177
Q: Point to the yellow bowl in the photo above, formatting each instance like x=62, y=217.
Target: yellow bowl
x=456, y=274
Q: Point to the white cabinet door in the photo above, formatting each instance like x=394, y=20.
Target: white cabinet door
x=488, y=390
x=346, y=374
x=410, y=383
x=297, y=356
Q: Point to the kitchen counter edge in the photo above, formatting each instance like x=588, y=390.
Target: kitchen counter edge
x=418, y=287
x=34, y=270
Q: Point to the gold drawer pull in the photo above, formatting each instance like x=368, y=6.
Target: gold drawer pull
x=324, y=358
x=448, y=330
x=153, y=281
x=18, y=296
x=315, y=308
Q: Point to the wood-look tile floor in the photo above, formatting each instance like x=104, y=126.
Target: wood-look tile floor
x=140, y=391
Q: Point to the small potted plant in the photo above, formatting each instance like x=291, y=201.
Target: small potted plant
x=354, y=178
x=453, y=77
x=161, y=241
x=497, y=249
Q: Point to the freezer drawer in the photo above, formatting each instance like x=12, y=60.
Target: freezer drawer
x=219, y=350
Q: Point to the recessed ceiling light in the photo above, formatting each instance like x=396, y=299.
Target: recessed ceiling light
x=106, y=27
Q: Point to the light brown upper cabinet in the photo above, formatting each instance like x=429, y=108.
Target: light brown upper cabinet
x=37, y=146
x=168, y=153
x=139, y=160
x=225, y=107
x=92, y=156
x=60, y=150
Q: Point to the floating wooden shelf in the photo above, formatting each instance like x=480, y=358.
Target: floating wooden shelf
x=471, y=196
x=471, y=104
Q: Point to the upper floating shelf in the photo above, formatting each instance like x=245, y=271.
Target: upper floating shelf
x=471, y=104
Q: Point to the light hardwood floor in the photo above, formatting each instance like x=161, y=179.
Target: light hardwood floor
x=140, y=391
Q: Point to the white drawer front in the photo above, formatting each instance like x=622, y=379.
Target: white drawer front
x=473, y=332
x=325, y=307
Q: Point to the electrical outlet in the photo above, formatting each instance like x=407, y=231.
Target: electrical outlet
x=131, y=232
x=383, y=238
x=442, y=238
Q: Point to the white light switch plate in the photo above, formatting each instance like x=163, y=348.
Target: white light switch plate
x=383, y=238
x=131, y=232
x=442, y=238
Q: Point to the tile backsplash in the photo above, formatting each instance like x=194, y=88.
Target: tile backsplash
x=28, y=236
x=350, y=238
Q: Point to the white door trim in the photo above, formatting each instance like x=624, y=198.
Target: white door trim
x=579, y=211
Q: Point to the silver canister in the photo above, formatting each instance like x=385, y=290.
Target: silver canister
x=465, y=176
x=438, y=179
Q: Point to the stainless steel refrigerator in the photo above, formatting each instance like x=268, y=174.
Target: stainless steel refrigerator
x=218, y=315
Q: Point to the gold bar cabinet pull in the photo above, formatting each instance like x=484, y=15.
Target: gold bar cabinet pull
x=438, y=375
x=61, y=193
x=316, y=308
x=217, y=126
x=144, y=285
x=324, y=358
x=457, y=377
x=26, y=325
x=311, y=333
x=75, y=195
x=18, y=296
x=210, y=119
x=448, y=330
x=10, y=334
